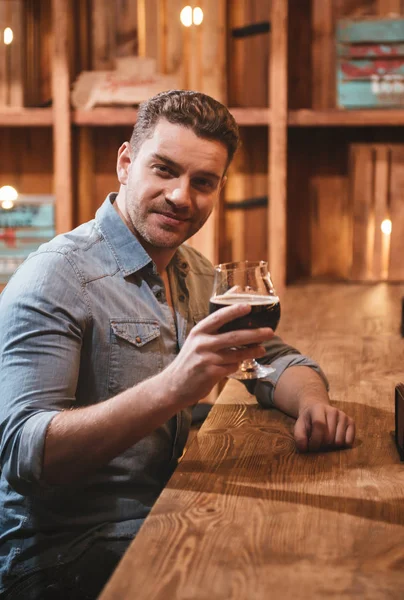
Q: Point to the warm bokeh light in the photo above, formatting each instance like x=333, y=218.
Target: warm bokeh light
x=8, y=195
x=197, y=16
x=8, y=36
x=186, y=16
x=7, y=205
x=386, y=227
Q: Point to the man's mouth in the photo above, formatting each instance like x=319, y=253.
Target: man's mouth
x=171, y=218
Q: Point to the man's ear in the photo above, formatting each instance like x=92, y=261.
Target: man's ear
x=223, y=183
x=123, y=163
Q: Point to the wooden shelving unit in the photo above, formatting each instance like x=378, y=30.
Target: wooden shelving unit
x=300, y=123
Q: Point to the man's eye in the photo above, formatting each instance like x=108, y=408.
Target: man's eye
x=162, y=170
x=204, y=184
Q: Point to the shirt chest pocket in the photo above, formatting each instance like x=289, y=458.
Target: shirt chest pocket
x=135, y=352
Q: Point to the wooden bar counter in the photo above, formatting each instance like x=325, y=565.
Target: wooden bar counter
x=247, y=517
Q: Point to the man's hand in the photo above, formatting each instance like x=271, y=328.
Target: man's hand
x=321, y=426
x=208, y=356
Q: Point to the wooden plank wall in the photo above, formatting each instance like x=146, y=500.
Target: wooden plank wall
x=377, y=194
x=244, y=234
x=11, y=55
x=37, y=42
x=26, y=160
x=62, y=182
x=245, y=229
x=114, y=33
x=396, y=209
x=26, y=155
x=325, y=189
x=247, y=68
x=204, y=70
x=3, y=59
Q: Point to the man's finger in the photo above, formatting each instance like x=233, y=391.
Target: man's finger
x=340, y=434
x=350, y=433
x=301, y=432
x=240, y=354
x=241, y=337
x=332, y=423
x=318, y=428
x=213, y=322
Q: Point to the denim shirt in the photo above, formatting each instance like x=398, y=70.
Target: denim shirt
x=84, y=318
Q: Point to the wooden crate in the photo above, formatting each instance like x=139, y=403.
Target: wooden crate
x=23, y=228
x=370, y=63
x=376, y=194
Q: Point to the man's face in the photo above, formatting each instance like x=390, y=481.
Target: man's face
x=171, y=185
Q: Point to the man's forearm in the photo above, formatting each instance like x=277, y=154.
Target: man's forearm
x=79, y=441
x=297, y=388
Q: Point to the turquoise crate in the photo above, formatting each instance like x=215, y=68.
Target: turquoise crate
x=23, y=228
x=370, y=63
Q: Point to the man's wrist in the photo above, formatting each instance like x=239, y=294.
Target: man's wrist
x=312, y=393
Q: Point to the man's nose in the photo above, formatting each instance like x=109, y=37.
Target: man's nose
x=180, y=196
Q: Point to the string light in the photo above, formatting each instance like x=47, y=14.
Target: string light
x=189, y=16
x=8, y=36
x=386, y=227
x=186, y=16
x=8, y=195
x=197, y=16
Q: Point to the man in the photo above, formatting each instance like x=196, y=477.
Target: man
x=104, y=349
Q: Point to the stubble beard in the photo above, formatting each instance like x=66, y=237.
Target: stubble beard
x=158, y=236
x=145, y=231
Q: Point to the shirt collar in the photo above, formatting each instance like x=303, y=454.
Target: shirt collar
x=126, y=248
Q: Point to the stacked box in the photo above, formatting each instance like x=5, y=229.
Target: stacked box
x=370, y=63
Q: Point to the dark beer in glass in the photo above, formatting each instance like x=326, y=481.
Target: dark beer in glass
x=247, y=282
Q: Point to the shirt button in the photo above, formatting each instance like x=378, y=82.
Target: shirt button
x=138, y=339
x=181, y=298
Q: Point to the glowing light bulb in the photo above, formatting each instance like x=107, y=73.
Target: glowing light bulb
x=197, y=16
x=7, y=205
x=386, y=227
x=186, y=16
x=8, y=36
x=8, y=195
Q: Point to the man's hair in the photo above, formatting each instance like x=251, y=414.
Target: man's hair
x=207, y=118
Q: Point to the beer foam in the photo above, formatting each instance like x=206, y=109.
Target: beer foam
x=252, y=299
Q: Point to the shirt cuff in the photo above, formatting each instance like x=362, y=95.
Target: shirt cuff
x=264, y=388
x=31, y=447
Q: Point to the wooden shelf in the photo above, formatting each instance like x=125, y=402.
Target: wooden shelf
x=26, y=117
x=346, y=118
x=251, y=116
x=110, y=117
x=104, y=117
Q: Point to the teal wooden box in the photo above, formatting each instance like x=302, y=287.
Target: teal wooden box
x=370, y=63
x=23, y=228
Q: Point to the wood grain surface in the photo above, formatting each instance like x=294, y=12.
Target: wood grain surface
x=245, y=516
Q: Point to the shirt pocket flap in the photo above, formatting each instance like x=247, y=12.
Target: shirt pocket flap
x=136, y=332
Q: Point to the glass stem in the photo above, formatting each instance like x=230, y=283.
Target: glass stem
x=248, y=366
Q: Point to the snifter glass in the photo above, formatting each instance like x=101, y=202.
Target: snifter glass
x=247, y=282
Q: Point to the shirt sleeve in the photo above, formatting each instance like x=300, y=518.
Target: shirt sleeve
x=44, y=314
x=280, y=356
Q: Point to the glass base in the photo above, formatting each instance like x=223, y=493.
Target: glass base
x=252, y=370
